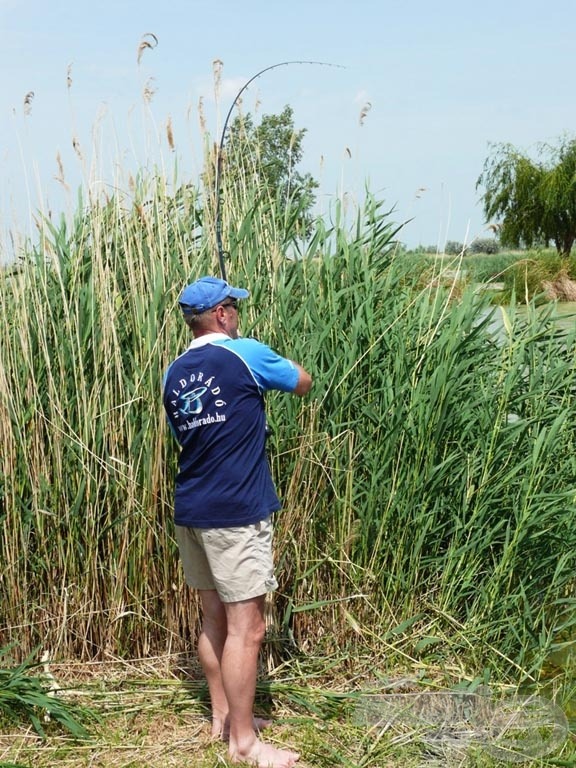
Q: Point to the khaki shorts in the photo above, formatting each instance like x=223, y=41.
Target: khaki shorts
x=236, y=562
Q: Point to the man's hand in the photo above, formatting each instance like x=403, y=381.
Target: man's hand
x=304, y=384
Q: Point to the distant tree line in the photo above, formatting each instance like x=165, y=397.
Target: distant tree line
x=488, y=245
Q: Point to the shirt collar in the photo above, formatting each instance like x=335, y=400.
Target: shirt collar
x=207, y=338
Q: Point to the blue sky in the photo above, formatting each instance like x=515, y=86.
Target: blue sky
x=442, y=79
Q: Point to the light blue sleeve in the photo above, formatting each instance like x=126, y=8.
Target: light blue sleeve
x=269, y=369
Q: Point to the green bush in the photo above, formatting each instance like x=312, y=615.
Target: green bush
x=525, y=278
x=485, y=245
x=453, y=248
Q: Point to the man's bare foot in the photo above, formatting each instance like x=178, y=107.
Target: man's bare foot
x=221, y=730
x=261, y=723
x=265, y=755
x=217, y=728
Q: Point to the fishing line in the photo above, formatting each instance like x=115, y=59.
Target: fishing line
x=222, y=254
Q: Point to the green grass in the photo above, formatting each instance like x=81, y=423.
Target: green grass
x=484, y=268
x=30, y=695
x=153, y=713
x=522, y=270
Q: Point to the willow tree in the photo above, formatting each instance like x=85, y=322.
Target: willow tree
x=532, y=201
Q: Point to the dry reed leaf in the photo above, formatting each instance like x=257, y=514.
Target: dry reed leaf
x=549, y=290
x=149, y=90
x=76, y=145
x=201, y=114
x=28, y=99
x=61, y=176
x=217, y=66
x=364, y=111
x=348, y=152
x=170, y=134
x=141, y=215
x=149, y=41
x=420, y=191
x=562, y=287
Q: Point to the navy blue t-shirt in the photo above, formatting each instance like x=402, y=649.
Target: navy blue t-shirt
x=214, y=400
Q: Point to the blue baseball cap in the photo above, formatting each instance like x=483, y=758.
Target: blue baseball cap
x=206, y=293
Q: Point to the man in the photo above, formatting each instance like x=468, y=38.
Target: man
x=224, y=499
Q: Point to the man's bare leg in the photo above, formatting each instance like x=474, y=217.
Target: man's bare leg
x=239, y=667
x=210, y=648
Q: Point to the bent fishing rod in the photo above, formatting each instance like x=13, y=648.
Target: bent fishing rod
x=222, y=254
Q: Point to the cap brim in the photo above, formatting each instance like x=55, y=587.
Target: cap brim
x=239, y=293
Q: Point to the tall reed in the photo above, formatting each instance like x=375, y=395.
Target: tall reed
x=85, y=453
x=428, y=481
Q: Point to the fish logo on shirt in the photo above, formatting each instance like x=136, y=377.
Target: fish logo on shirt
x=190, y=403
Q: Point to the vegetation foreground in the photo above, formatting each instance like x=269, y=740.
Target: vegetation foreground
x=153, y=712
x=427, y=536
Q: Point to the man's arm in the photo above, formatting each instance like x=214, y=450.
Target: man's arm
x=304, y=381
